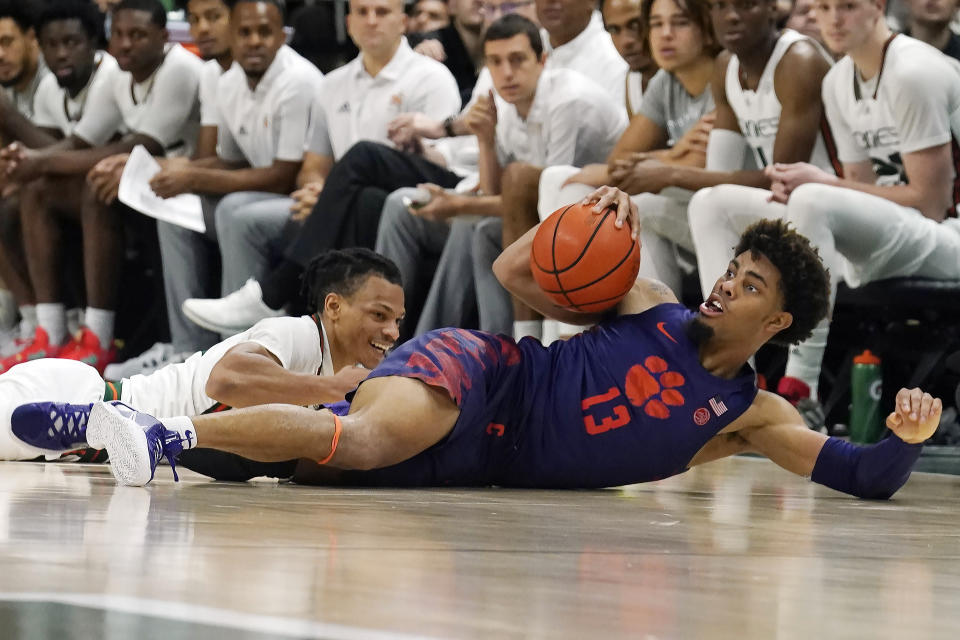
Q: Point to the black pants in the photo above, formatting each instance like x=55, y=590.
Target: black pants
x=347, y=212
x=221, y=465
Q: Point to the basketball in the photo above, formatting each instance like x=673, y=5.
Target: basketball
x=582, y=261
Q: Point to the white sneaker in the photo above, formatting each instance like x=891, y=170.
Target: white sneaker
x=156, y=357
x=233, y=313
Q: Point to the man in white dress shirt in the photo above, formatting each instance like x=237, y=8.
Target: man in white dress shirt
x=539, y=116
x=152, y=102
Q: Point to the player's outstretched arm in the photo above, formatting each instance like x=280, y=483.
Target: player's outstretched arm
x=249, y=375
x=875, y=471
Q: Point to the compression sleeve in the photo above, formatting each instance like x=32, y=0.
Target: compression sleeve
x=876, y=471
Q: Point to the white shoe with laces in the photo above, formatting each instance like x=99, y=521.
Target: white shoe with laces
x=233, y=313
x=156, y=357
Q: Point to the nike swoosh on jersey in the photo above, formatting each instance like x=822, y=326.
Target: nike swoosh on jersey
x=664, y=332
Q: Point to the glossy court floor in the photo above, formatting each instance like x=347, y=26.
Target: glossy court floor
x=735, y=549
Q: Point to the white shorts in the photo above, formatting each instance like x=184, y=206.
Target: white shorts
x=49, y=379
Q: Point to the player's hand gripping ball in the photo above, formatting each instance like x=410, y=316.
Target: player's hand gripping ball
x=582, y=261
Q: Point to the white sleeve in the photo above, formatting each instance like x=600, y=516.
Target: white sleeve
x=565, y=132
x=43, y=104
x=318, y=136
x=174, y=100
x=102, y=116
x=209, y=79
x=920, y=102
x=848, y=151
x=294, y=341
x=294, y=116
x=437, y=95
x=726, y=150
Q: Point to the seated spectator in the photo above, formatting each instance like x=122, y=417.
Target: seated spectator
x=539, y=116
x=673, y=123
x=456, y=44
x=347, y=174
x=624, y=23
x=21, y=66
x=209, y=22
x=929, y=21
x=892, y=104
x=766, y=88
x=428, y=15
x=153, y=102
x=21, y=71
x=263, y=106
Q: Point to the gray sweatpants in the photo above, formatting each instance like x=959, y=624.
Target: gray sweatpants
x=243, y=228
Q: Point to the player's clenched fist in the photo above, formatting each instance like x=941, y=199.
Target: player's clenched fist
x=916, y=416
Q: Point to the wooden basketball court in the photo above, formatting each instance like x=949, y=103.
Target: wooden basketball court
x=735, y=549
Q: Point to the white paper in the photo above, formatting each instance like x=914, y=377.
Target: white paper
x=184, y=210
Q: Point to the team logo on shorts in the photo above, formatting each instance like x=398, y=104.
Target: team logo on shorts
x=701, y=416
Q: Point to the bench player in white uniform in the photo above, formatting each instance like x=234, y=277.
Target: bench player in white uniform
x=893, y=105
x=153, y=102
x=304, y=361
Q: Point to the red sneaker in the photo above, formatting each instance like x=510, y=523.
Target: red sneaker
x=793, y=389
x=37, y=348
x=85, y=347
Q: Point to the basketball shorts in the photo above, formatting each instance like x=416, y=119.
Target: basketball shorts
x=482, y=373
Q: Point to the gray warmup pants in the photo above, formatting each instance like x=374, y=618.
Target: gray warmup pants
x=243, y=229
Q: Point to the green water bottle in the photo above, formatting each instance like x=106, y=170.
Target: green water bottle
x=866, y=424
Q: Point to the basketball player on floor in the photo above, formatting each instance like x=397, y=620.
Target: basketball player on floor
x=358, y=303
x=644, y=395
x=893, y=105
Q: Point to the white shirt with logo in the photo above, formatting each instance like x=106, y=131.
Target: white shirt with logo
x=271, y=121
x=356, y=106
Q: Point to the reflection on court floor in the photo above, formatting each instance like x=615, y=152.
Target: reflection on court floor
x=736, y=549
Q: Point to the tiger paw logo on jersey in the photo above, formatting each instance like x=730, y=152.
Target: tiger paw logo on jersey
x=654, y=387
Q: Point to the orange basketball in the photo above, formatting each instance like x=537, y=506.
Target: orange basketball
x=582, y=261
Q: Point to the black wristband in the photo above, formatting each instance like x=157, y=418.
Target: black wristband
x=448, y=127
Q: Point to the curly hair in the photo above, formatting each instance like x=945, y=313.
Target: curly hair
x=344, y=271
x=804, y=280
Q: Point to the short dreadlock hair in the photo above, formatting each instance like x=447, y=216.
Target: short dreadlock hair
x=344, y=271
x=804, y=281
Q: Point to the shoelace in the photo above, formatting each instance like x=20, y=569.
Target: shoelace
x=170, y=446
x=73, y=423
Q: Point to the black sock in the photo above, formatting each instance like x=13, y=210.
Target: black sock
x=282, y=285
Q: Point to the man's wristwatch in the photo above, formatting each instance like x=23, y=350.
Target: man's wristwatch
x=448, y=126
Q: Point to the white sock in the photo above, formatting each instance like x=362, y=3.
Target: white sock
x=28, y=319
x=524, y=328
x=182, y=426
x=100, y=321
x=52, y=317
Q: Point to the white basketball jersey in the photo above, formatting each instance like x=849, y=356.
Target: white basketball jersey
x=913, y=103
x=758, y=112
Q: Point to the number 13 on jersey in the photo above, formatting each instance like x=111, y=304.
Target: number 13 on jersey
x=598, y=414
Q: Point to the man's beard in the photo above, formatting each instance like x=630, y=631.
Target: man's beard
x=699, y=332
x=13, y=81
